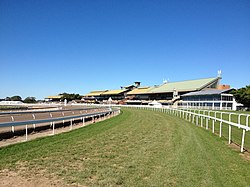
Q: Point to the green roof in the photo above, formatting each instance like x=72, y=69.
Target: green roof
x=95, y=93
x=114, y=92
x=140, y=90
x=189, y=85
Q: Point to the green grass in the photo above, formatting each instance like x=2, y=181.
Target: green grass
x=136, y=148
x=9, y=107
x=236, y=135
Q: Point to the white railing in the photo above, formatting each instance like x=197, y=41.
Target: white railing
x=198, y=116
x=110, y=113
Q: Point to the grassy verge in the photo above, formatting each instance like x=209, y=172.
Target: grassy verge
x=236, y=135
x=137, y=148
x=8, y=107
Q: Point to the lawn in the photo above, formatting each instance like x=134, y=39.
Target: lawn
x=236, y=132
x=136, y=148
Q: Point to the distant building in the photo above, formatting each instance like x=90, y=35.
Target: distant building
x=198, y=93
x=117, y=96
x=169, y=92
x=53, y=98
x=209, y=99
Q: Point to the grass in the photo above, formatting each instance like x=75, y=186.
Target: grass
x=10, y=107
x=236, y=135
x=137, y=148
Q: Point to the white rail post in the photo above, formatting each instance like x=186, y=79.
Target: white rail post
x=242, y=141
x=71, y=124
x=239, y=117
x=215, y=115
x=26, y=132
x=221, y=124
x=229, y=129
x=202, y=119
x=247, y=120
x=12, y=127
x=208, y=114
x=53, y=128
x=51, y=117
x=63, y=115
x=197, y=123
x=74, y=114
x=83, y=121
x=34, y=117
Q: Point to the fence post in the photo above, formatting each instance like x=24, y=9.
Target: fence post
x=239, y=122
x=229, y=129
x=221, y=115
x=12, y=127
x=242, y=141
x=207, y=119
x=202, y=120
x=26, y=132
x=53, y=132
x=247, y=120
x=83, y=121
x=71, y=124
x=34, y=117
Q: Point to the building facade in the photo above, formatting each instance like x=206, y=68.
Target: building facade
x=204, y=93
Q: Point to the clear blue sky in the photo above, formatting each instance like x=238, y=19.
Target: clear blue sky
x=49, y=47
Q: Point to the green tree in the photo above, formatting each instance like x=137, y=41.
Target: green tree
x=16, y=98
x=7, y=99
x=30, y=100
x=242, y=95
x=70, y=97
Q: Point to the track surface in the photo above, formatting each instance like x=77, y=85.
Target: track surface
x=37, y=115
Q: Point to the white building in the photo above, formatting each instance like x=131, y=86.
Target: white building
x=209, y=99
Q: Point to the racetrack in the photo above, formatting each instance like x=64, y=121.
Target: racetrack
x=136, y=148
x=34, y=115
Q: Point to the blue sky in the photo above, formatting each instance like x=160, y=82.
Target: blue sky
x=49, y=47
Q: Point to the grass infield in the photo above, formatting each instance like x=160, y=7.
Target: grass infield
x=136, y=148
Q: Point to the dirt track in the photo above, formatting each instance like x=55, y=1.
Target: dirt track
x=10, y=132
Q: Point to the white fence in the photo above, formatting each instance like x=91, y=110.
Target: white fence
x=110, y=113
x=202, y=117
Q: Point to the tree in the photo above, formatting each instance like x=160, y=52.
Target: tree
x=16, y=98
x=7, y=99
x=70, y=97
x=242, y=95
x=29, y=100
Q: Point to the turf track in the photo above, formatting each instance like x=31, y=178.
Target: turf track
x=137, y=148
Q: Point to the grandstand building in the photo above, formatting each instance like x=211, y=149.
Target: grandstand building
x=200, y=93
x=209, y=99
x=54, y=98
